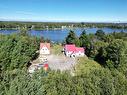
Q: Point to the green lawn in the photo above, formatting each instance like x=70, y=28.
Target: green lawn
x=56, y=49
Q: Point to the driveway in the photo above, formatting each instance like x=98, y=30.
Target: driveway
x=60, y=62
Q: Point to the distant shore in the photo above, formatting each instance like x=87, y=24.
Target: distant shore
x=10, y=25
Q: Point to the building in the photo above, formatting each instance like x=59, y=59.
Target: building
x=44, y=48
x=71, y=50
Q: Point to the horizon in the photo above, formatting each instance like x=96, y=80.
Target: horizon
x=101, y=11
x=124, y=22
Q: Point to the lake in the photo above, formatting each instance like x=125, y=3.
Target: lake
x=59, y=35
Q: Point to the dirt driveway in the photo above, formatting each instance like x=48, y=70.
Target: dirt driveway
x=60, y=62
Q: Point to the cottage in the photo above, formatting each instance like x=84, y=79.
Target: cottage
x=71, y=50
x=44, y=48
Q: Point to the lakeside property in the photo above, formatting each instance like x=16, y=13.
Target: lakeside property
x=104, y=68
x=63, y=47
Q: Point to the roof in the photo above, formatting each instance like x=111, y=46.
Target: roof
x=45, y=45
x=79, y=49
x=70, y=47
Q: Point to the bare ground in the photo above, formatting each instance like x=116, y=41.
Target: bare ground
x=60, y=62
x=57, y=62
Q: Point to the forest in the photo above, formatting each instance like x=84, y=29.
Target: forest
x=108, y=50
x=53, y=25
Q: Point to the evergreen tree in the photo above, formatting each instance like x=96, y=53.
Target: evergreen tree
x=116, y=52
x=83, y=39
x=71, y=38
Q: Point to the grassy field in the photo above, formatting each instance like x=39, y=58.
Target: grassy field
x=56, y=49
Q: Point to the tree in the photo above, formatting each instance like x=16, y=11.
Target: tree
x=100, y=34
x=71, y=38
x=108, y=38
x=83, y=39
x=116, y=52
x=16, y=51
x=23, y=31
x=86, y=41
x=100, y=52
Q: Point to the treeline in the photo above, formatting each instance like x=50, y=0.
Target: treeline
x=107, y=25
x=36, y=25
x=58, y=25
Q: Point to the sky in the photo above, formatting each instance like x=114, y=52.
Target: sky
x=64, y=10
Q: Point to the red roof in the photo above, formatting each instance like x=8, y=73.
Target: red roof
x=79, y=49
x=70, y=47
x=45, y=45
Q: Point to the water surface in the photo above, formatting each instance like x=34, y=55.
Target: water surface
x=59, y=35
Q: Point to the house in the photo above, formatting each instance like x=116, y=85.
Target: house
x=44, y=48
x=71, y=50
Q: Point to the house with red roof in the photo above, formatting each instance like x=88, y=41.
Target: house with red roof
x=71, y=50
x=44, y=48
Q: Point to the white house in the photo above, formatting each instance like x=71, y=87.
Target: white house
x=44, y=48
x=79, y=52
x=71, y=50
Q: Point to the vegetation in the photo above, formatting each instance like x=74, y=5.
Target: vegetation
x=72, y=38
x=56, y=49
x=58, y=25
x=110, y=50
x=16, y=51
x=85, y=65
x=99, y=81
x=109, y=77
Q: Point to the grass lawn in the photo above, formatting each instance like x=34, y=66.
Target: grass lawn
x=56, y=49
